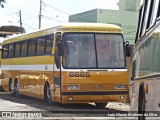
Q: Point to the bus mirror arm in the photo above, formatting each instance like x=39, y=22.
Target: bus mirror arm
x=60, y=53
x=127, y=48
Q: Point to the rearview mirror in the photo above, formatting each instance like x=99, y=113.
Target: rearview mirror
x=127, y=48
x=60, y=49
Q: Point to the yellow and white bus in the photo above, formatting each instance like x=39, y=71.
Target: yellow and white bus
x=145, y=85
x=72, y=63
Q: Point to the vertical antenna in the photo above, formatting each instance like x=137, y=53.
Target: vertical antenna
x=20, y=18
x=40, y=14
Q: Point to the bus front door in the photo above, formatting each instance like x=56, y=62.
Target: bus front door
x=57, y=71
x=57, y=87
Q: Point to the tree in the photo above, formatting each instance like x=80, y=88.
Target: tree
x=1, y=3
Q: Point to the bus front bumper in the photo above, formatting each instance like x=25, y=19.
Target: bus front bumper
x=87, y=97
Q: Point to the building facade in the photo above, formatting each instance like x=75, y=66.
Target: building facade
x=126, y=17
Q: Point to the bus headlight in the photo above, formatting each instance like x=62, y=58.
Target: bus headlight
x=120, y=86
x=73, y=87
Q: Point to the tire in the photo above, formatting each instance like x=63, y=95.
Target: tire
x=10, y=85
x=16, y=87
x=101, y=105
x=0, y=88
x=47, y=94
x=141, y=102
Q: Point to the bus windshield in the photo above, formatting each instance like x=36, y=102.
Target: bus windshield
x=93, y=50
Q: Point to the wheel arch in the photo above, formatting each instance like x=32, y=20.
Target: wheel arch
x=44, y=90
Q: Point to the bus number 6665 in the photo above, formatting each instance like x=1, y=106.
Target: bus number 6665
x=79, y=74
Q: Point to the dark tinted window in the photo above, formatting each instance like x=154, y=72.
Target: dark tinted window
x=40, y=45
x=5, y=51
x=24, y=48
x=17, y=49
x=146, y=15
x=158, y=15
x=31, y=47
x=11, y=50
x=49, y=44
x=141, y=21
x=154, y=12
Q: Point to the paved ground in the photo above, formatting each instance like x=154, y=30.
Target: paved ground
x=36, y=108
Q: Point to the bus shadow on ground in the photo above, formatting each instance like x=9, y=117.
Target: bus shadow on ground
x=38, y=104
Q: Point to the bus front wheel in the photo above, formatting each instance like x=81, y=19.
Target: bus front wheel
x=101, y=105
x=47, y=93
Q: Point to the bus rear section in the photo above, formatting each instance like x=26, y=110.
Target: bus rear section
x=93, y=68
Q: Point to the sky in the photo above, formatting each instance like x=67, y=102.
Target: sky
x=54, y=12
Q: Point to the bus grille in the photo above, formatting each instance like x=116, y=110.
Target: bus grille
x=94, y=87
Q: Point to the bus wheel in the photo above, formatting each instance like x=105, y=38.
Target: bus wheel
x=16, y=92
x=141, y=102
x=47, y=94
x=101, y=105
x=10, y=85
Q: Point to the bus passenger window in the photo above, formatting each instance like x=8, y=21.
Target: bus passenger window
x=49, y=44
x=17, y=49
x=31, y=47
x=40, y=46
x=5, y=51
x=11, y=50
x=24, y=48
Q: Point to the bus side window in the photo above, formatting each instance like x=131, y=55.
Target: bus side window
x=5, y=51
x=49, y=44
x=40, y=45
x=17, y=49
x=24, y=48
x=154, y=12
x=158, y=14
x=11, y=50
x=31, y=47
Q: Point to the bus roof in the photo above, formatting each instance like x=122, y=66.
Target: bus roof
x=68, y=27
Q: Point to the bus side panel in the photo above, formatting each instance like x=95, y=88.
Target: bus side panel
x=156, y=95
x=149, y=96
x=5, y=84
x=31, y=73
x=5, y=80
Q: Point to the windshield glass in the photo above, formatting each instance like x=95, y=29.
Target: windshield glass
x=88, y=50
x=110, y=52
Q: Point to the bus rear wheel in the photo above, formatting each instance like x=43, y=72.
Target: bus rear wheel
x=16, y=87
x=141, y=102
x=10, y=85
x=101, y=105
x=47, y=94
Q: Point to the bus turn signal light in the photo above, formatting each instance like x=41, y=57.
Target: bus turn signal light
x=71, y=87
x=146, y=89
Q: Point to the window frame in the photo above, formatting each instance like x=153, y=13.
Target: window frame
x=158, y=13
x=51, y=35
x=34, y=47
x=37, y=46
x=21, y=49
x=3, y=51
x=148, y=5
x=141, y=21
x=9, y=52
x=15, y=49
x=154, y=12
